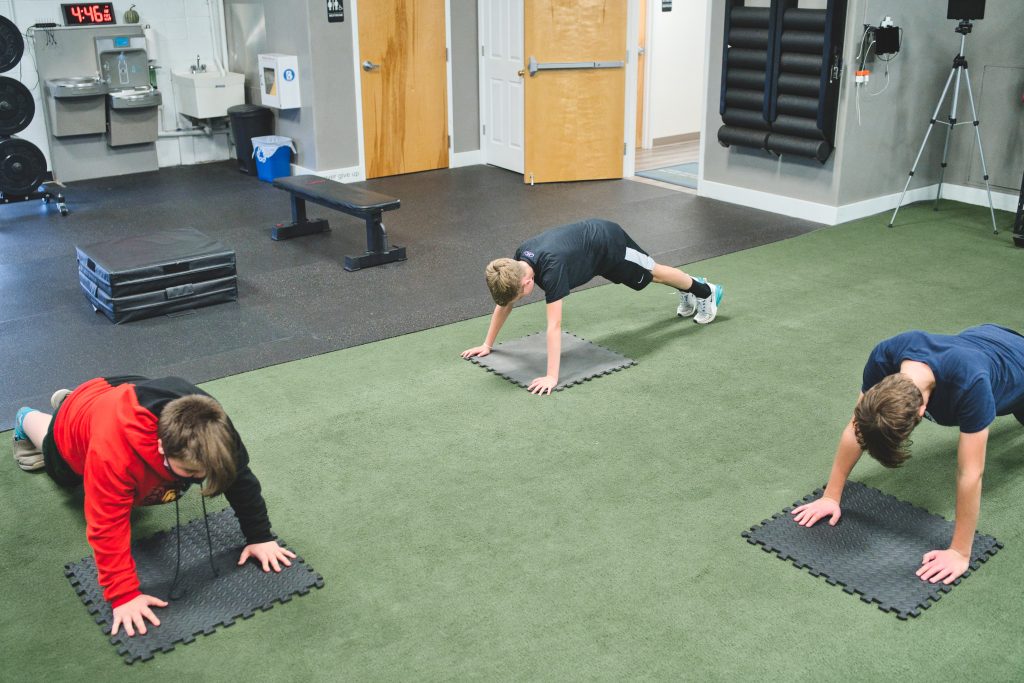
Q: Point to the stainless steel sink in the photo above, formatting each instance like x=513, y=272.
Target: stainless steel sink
x=135, y=98
x=79, y=86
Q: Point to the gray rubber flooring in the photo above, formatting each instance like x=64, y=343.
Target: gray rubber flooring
x=295, y=300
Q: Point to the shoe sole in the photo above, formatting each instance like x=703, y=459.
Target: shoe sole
x=28, y=459
x=58, y=397
x=719, y=293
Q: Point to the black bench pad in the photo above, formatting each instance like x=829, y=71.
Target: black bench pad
x=335, y=195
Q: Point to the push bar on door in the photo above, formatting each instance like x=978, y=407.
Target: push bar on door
x=534, y=66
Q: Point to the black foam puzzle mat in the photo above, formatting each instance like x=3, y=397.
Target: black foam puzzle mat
x=522, y=360
x=873, y=551
x=204, y=601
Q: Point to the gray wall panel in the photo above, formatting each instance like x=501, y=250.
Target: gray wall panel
x=335, y=103
x=465, y=76
x=873, y=155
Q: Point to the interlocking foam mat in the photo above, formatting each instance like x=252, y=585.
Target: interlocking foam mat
x=205, y=601
x=873, y=551
x=522, y=360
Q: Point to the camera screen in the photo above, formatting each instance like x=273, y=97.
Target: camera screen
x=966, y=9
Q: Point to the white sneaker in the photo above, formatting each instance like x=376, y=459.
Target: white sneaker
x=687, y=305
x=707, y=308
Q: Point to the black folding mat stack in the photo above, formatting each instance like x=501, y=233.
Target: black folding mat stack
x=141, y=276
x=202, y=600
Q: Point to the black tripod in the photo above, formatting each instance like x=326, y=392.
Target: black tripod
x=959, y=67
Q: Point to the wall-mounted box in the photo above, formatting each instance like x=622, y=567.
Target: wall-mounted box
x=279, y=81
x=207, y=95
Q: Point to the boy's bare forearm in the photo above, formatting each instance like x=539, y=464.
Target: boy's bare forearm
x=498, y=319
x=970, y=466
x=847, y=455
x=554, y=342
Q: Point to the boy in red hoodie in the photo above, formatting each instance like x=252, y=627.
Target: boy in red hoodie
x=134, y=441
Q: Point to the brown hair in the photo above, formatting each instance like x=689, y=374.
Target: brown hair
x=884, y=418
x=504, y=279
x=196, y=430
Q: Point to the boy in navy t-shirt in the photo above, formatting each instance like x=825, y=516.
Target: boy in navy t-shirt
x=962, y=380
x=571, y=255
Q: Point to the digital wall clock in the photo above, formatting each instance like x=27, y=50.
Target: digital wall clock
x=88, y=13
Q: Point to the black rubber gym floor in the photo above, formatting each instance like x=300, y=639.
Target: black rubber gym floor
x=295, y=300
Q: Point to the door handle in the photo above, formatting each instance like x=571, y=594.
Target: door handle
x=521, y=73
x=534, y=66
x=370, y=66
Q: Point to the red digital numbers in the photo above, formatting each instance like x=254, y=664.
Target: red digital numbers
x=97, y=13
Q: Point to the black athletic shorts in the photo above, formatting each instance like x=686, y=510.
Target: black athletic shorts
x=56, y=466
x=635, y=268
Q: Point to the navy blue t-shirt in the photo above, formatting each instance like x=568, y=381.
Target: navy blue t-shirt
x=979, y=373
x=571, y=255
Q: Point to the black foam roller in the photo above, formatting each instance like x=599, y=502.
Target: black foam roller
x=799, y=84
x=798, y=105
x=747, y=59
x=803, y=41
x=745, y=78
x=804, y=20
x=794, y=62
x=744, y=99
x=744, y=118
x=788, y=144
x=742, y=137
x=750, y=37
x=798, y=126
x=750, y=17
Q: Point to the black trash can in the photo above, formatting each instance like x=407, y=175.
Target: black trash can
x=247, y=122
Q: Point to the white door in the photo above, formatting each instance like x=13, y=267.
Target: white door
x=501, y=32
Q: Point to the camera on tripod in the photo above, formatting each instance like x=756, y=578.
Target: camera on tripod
x=966, y=11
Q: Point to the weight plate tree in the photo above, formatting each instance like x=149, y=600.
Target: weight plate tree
x=22, y=165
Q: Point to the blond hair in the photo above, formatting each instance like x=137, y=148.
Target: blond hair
x=195, y=430
x=884, y=418
x=504, y=279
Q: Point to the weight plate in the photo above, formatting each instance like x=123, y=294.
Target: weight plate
x=12, y=45
x=22, y=167
x=16, y=106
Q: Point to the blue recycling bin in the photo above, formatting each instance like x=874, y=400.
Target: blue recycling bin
x=273, y=154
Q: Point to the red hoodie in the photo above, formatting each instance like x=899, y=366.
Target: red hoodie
x=109, y=438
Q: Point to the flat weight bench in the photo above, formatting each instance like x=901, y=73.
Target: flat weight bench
x=344, y=198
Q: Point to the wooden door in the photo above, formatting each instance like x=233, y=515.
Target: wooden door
x=404, y=85
x=575, y=118
x=641, y=62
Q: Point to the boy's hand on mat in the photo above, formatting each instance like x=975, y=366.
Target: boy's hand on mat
x=268, y=554
x=809, y=514
x=542, y=385
x=133, y=614
x=481, y=350
x=942, y=565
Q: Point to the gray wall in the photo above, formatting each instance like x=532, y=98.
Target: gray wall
x=325, y=127
x=872, y=157
x=465, y=76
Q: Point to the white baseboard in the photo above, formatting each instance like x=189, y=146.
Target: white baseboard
x=352, y=174
x=833, y=215
x=473, y=158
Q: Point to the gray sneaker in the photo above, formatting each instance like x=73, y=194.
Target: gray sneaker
x=687, y=305
x=27, y=456
x=58, y=397
x=707, y=308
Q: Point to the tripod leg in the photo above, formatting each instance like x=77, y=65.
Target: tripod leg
x=981, y=152
x=931, y=125
x=949, y=134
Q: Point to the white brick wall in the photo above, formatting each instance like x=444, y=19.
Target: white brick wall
x=182, y=30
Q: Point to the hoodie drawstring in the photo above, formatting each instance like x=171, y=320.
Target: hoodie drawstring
x=177, y=535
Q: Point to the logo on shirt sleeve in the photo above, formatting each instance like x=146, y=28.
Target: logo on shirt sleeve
x=529, y=254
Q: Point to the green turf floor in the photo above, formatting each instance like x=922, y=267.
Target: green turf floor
x=469, y=530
